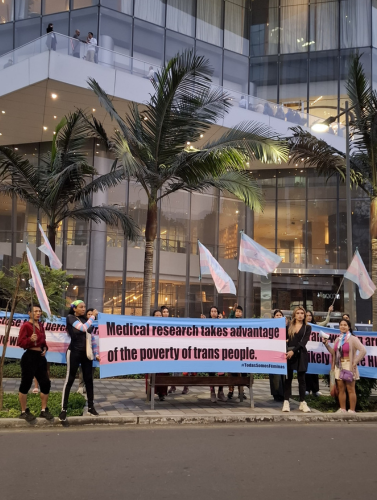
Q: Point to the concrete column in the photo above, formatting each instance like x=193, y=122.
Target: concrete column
x=97, y=261
x=265, y=296
x=249, y=230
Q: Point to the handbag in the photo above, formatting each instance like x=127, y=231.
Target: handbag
x=346, y=376
x=89, y=350
x=333, y=387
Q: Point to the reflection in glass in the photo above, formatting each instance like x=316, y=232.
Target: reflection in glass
x=264, y=27
x=6, y=43
x=355, y=25
x=236, y=26
x=151, y=10
x=264, y=226
x=115, y=32
x=214, y=54
x=209, y=21
x=293, y=26
x=177, y=43
x=27, y=8
x=125, y=6
x=6, y=11
x=291, y=232
x=264, y=78
x=324, y=25
x=180, y=16
x=235, y=71
x=293, y=83
x=52, y=6
x=323, y=84
x=26, y=31
x=232, y=221
x=322, y=233
x=148, y=43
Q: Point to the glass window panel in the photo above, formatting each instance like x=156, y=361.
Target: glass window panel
x=60, y=22
x=267, y=182
x=27, y=8
x=26, y=31
x=84, y=20
x=116, y=195
x=346, y=57
x=232, y=221
x=177, y=43
x=112, y=298
x=294, y=26
x=291, y=232
x=148, y=43
x=52, y=6
x=236, y=27
x=323, y=84
x=115, y=31
x=264, y=226
x=355, y=23
x=180, y=16
x=264, y=27
x=235, y=71
x=264, y=78
x=6, y=43
x=292, y=184
x=209, y=21
x=138, y=205
x=321, y=187
x=6, y=11
x=293, y=83
x=174, y=223
x=125, y=6
x=151, y=10
x=204, y=212
x=374, y=68
x=322, y=233
x=195, y=299
x=215, y=56
x=374, y=23
x=324, y=25
x=80, y=4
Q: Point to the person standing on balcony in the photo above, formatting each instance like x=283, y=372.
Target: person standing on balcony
x=51, y=37
x=75, y=43
x=92, y=44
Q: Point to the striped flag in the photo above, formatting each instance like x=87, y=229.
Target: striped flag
x=209, y=265
x=359, y=275
x=256, y=259
x=37, y=284
x=46, y=248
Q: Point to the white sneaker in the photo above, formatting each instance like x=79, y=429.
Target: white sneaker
x=319, y=393
x=341, y=411
x=213, y=397
x=304, y=407
x=221, y=397
x=286, y=406
x=80, y=390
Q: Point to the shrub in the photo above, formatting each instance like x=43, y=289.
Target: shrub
x=12, y=408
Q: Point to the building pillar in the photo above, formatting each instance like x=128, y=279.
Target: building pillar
x=98, y=241
x=265, y=296
x=249, y=292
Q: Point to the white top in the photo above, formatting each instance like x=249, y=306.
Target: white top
x=92, y=43
x=151, y=73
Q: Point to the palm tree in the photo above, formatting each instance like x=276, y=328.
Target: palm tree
x=63, y=183
x=154, y=144
x=363, y=150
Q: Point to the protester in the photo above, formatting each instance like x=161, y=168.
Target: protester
x=214, y=313
x=238, y=314
x=243, y=102
x=157, y=313
x=150, y=75
x=32, y=338
x=344, y=363
x=79, y=352
x=92, y=45
x=311, y=379
x=51, y=37
x=277, y=381
x=165, y=312
x=297, y=357
x=76, y=44
x=82, y=388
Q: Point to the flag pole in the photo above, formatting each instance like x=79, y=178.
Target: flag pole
x=340, y=286
x=31, y=297
x=200, y=280
x=238, y=263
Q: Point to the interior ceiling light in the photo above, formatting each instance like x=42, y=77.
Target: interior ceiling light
x=54, y=117
x=44, y=128
x=3, y=112
x=94, y=110
x=54, y=96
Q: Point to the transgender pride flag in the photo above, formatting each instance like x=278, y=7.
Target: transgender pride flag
x=359, y=275
x=256, y=259
x=46, y=248
x=37, y=284
x=209, y=265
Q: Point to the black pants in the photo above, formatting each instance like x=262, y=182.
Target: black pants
x=74, y=360
x=312, y=382
x=288, y=385
x=277, y=386
x=221, y=387
x=33, y=364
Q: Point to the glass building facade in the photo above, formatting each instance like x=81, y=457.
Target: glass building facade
x=294, y=52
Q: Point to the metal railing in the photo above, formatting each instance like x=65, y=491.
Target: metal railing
x=63, y=44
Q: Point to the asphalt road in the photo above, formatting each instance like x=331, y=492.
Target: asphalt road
x=310, y=462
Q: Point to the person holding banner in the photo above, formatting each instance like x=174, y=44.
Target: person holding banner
x=82, y=389
x=32, y=338
x=311, y=379
x=238, y=314
x=79, y=353
x=277, y=381
x=297, y=357
x=344, y=363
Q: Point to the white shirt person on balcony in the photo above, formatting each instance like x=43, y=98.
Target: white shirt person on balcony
x=92, y=45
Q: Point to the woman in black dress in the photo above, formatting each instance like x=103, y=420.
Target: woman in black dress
x=51, y=37
x=298, y=334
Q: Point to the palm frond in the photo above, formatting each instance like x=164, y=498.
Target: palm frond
x=18, y=170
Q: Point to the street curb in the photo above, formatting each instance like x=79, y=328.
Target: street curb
x=15, y=423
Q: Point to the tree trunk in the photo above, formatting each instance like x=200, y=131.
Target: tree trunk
x=7, y=332
x=51, y=235
x=373, y=238
x=150, y=236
